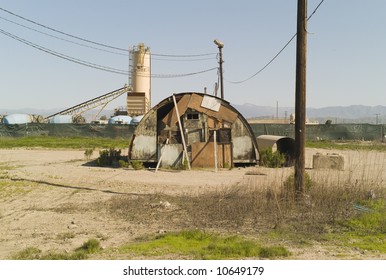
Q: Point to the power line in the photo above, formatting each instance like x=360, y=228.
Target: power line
x=184, y=55
x=93, y=65
x=63, y=56
x=317, y=7
x=266, y=65
x=62, y=39
x=61, y=32
x=281, y=50
x=181, y=75
x=183, y=60
x=119, y=53
x=90, y=41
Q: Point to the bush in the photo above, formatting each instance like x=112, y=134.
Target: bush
x=289, y=183
x=31, y=253
x=123, y=164
x=88, y=153
x=136, y=164
x=89, y=247
x=109, y=157
x=272, y=159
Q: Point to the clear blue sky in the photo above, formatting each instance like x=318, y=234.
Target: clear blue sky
x=346, y=50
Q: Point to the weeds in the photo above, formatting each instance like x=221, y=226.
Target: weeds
x=109, y=157
x=289, y=185
x=272, y=159
x=348, y=145
x=88, y=153
x=136, y=164
x=91, y=246
x=65, y=236
x=325, y=209
x=61, y=142
x=366, y=230
x=30, y=253
x=9, y=188
x=123, y=164
x=195, y=244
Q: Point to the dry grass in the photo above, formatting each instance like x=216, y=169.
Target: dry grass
x=259, y=207
x=242, y=209
x=337, y=210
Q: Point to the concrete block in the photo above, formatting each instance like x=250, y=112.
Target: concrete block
x=328, y=161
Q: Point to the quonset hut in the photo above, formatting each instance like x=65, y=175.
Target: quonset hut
x=201, y=117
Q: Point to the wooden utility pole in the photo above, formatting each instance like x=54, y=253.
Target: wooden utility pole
x=300, y=99
x=221, y=73
x=220, y=45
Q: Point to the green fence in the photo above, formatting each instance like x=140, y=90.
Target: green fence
x=67, y=130
x=368, y=132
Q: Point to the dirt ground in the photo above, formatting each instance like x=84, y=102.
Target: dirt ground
x=46, y=195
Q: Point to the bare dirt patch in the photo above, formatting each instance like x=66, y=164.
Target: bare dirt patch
x=54, y=200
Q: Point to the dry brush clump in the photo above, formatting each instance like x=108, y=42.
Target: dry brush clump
x=251, y=209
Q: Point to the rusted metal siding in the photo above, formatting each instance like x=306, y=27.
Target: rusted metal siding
x=145, y=139
x=203, y=155
x=235, y=139
x=243, y=148
x=172, y=155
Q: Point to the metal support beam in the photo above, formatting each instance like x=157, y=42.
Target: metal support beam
x=92, y=103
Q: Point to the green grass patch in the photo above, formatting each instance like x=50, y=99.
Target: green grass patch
x=366, y=231
x=90, y=247
x=65, y=236
x=5, y=167
x=10, y=189
x=62, y=142
x=196, y=244
x=351, y=145
x=32, y=253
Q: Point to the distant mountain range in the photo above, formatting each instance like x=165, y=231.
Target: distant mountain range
x=338, y=114
x=354, y=113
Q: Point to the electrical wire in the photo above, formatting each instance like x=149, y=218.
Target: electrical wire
x=63, y=56
x=280, y=51
x=183, y=55
x=181, y=75
x=113, y=52
x=93, y=42
x=62, y=39
x=182, y=60
x=61, y=32
x=317, y=7
x=118, y=71
x=93, y=65
x=265, y=66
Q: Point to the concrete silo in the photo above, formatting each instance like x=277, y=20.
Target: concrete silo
x=139, y=99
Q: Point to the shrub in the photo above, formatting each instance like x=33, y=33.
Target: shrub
x=88, y=153
x=30, y=253
x=91, y=246
x=136, y=164
x=108, y=157
x=272, y=159
x=123, y=164
x=289, y=184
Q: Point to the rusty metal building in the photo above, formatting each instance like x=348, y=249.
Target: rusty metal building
x=201, y=117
